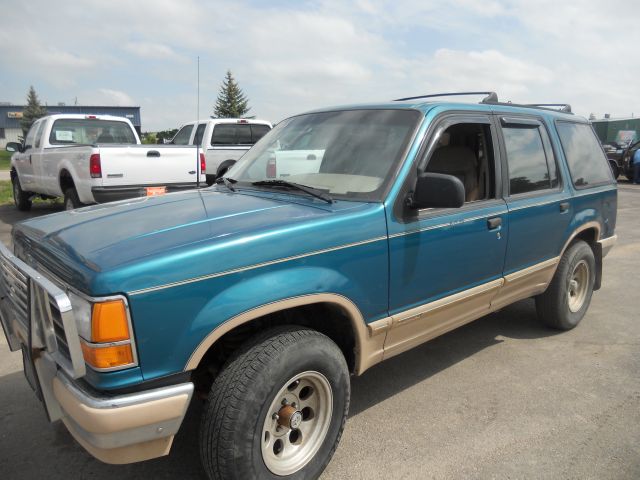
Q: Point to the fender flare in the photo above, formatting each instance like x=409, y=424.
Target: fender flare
x=368, y=343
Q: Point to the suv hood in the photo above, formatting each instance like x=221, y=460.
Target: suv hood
x=145, y=242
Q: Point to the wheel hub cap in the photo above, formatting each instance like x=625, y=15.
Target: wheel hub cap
x=578, y=286
x=296, y=423
x=289, y=417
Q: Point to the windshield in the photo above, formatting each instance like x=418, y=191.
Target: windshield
x=69, y=131
x=345, y=153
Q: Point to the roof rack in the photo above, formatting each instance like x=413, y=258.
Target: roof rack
x=491, y=97
x=563, y=107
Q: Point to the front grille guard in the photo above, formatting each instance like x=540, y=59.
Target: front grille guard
x=37, y=313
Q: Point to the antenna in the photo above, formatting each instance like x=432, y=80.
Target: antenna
x=196, y=132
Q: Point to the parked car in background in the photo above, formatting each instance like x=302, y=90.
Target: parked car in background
x=263, y=294
x=95, y=159
x=614, y=156
x=626, y=164
x=223, y=140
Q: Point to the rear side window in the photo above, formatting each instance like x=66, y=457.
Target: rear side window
x=237, y=134
x=182, y=137
x=528, y=168
x=586, y=160
x=258, y=131
x=197, y=138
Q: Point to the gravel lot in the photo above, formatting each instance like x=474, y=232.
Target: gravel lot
x=502, y=397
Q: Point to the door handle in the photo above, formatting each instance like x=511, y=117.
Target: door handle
x=153, y=153
x=564, y=206
x=493, y=223
x=29, y=159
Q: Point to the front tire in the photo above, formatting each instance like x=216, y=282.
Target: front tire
x=568, y=296
x=71, y=199
x=21, y=198
x=277, y=409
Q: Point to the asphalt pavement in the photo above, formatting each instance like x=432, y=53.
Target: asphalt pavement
x=502, y=397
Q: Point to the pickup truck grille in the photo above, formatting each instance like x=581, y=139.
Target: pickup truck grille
x=50, y=318
x=58, y=328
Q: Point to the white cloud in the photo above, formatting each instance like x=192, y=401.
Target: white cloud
x=297, y=56
x=488, y=69
x=116, y=97
x=151, y=50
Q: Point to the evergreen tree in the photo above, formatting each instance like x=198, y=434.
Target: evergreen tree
x=231, y=102
x=32, y=112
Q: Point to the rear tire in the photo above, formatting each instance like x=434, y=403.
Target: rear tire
x=277, y=409
x=21, y=198
x=71, y=199
x=224, y=167
x=568, y=296
x=615, y=170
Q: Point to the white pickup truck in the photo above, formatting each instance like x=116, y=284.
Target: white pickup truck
x=223, y=140
x=95, y=159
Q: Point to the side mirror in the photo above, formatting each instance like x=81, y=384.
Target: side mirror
x=14, y=147
x=437, y=190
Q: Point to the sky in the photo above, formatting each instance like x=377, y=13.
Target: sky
x=294, y=56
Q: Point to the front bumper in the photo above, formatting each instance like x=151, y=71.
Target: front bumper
x=37, y=318
x=126, y=428
x=113, y=194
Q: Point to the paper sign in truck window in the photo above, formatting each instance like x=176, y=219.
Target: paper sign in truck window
x=64, y=135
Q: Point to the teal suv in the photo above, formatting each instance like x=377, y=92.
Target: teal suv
x=345, y=236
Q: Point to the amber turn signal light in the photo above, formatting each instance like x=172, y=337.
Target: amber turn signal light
x=107, y=357
x=109, y=322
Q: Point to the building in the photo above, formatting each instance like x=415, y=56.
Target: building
x=619, y=130
x=10, y=116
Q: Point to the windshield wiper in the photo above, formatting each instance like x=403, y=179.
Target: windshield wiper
x=227, y=182
x=314, y=192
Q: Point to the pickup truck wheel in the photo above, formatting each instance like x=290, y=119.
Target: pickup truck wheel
x=277, y=409
x=71, y=200
x=224, y=167
x=568, y=296
x=21, y=198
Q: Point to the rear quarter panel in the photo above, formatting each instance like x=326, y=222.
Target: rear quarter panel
x=74, y=160
x=216, y=155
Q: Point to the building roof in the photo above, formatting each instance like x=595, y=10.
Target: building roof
x=8, y=119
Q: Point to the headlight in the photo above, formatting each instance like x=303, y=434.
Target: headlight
x=82, y=314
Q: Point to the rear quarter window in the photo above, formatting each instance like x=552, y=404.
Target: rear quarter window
x=237, y=134
x=587, y=164
x=527, y=160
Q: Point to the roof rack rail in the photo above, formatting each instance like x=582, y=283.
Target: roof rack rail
x=563, y=107
x=491, y=97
